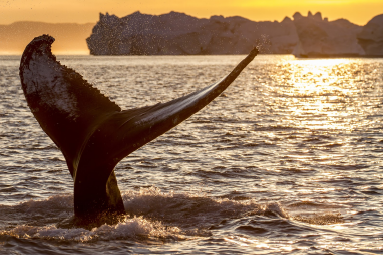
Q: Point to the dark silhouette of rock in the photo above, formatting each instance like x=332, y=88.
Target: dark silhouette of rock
x=321, y=38
x=371, y=37
x=180, y=34
x=297, y=16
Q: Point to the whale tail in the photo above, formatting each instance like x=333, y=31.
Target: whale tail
x=91, y=131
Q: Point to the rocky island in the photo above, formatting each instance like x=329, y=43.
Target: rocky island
x=180, y=34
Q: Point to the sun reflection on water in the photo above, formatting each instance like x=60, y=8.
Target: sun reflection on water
x=318, y=94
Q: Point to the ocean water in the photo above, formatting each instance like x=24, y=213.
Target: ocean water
x=288, y=160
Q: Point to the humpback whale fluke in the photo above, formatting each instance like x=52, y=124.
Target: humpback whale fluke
x=91, y=131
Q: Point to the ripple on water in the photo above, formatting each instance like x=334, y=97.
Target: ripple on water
x=287, y=160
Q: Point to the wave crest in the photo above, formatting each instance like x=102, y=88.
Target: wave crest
x=127, y=228
x=151, y=213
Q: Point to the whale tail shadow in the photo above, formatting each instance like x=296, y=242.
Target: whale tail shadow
x=91, y=131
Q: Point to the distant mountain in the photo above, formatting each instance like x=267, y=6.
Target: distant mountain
x=180, y=34
x=70, y=37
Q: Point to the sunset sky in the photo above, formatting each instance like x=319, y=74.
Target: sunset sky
x=83, y=11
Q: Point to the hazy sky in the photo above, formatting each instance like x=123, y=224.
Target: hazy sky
x=83, y=11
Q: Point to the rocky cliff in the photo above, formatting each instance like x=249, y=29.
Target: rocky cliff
x=319, y=37
x=180, y=34
x=371, y=37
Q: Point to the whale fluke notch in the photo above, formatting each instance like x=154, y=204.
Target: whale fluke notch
x=91, y=131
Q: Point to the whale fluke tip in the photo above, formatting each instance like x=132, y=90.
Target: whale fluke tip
x=38, y=42
x=44, y=38
x=254, y=52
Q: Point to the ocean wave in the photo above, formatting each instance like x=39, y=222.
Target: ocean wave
x=155, y=214
x=127, y=228
x=151, y=213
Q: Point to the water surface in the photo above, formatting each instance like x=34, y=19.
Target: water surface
x=287, y=160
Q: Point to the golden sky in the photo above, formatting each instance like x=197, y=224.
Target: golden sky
x=83, y=11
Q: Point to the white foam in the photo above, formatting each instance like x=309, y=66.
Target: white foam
x=146, y=200
x=128, y=228
x=274, y=208
x=152, y=213
x=149, y=201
